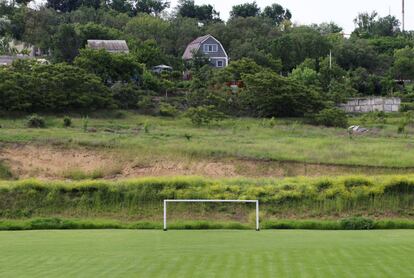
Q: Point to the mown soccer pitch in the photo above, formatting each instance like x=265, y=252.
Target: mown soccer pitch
x=130, y=253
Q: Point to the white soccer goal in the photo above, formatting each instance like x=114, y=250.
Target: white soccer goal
x=212, y=201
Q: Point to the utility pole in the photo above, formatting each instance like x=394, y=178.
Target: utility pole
x=403, y=15
x=330, y=59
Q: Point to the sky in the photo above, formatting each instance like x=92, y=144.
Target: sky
x=341, y=12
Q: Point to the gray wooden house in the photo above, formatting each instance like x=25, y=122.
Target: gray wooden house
x=210, y=47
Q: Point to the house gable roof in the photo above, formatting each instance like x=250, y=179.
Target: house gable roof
x=119, y=46
x=195, y=45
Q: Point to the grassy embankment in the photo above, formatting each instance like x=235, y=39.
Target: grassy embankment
x=149, y=138
x=207, y=254
x=389, y=200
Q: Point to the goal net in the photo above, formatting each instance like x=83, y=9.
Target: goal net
x=256, y=202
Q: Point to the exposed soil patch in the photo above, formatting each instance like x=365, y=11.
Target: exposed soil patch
x=47, y=162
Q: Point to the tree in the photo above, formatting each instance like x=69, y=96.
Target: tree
x=187, y=28
x=370, y=25
x=147, y=27
x=45, y=88
x=65, y=6
x=354, y=53
x=204, y=13
x=148, y=53
x=330, y=71
x=122, y=6
x=294, y=46
x=110, y=67
x=364, y=82
x=242, y=67
x=5, y=26
x=277, y=13
x=404, y=63
x=154, y=7
x=40, y=26
x=245, y=10
x=261, y=57
x=326, y=28
x=340, y=91
x=270, y=95
x=306, y=76
x=96, y=31
x=66, y=43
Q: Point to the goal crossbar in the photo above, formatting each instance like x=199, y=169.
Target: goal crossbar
x=211, y=201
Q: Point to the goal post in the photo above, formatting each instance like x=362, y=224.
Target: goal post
x=212, y=201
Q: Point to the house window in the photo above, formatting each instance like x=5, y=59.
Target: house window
x=220, y=64
x=210, y=48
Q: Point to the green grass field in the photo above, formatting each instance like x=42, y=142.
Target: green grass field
x=113, y=253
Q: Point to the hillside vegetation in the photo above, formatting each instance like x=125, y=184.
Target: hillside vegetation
x=379, y=197
x=144, y=137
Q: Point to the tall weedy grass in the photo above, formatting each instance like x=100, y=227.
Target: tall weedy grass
x=381, y=196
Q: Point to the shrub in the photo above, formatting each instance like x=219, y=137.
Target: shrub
x=146, y=127
x=50, y=88
x=67, y=121
x=268, y=94
x=399, y=187
x=323, y=185
x=271, y=123
x=203, y=115
x=120, y=115
x=407, y=106
x=146, y=103
x=332, y=117
x=5, y=172
x=85, y=123
x=357, y=223
x=35, y=121
x=167, y=110
x=126, y=96
x=356, y=182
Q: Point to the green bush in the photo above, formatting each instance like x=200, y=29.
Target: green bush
x=407, y=106
x=35, y=121
x=56, y=87
x=356, y=182
x=85, y=123
x=5, y=172
x=332, y=117
x=357, y=223
x=127, y=96
x=167, y=110
x=204, y=115
x=268, y=94
x=67, y=121
x=120, y=115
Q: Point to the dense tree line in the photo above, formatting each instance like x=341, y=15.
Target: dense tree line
x=282, y=69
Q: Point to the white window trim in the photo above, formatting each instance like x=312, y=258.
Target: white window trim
x=220, y=61
x=206, y=48
x=226, y=60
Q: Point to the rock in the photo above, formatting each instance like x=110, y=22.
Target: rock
x=357, y=129
x=92, y=130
